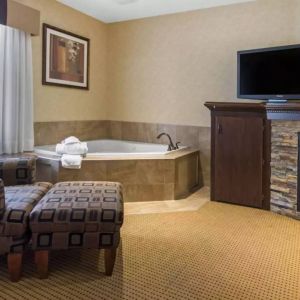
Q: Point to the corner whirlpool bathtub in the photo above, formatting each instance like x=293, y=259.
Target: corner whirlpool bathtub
x=147, y=171
x=115, y=147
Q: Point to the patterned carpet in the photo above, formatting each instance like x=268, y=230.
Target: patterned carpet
x=219, y=252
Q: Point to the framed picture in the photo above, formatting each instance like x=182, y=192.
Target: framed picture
x=65, y=58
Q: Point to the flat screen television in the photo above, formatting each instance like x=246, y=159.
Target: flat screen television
x=269, y=74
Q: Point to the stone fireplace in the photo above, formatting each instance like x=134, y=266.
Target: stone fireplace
x=284, y=167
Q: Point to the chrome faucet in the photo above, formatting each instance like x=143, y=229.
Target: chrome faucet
x=171, y=145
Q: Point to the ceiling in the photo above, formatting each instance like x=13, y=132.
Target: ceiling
x=110, y=11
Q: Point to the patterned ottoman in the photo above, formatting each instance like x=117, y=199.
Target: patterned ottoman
x=71, y=215
x=19, y=193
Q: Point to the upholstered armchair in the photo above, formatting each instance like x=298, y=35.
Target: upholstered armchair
x=18, y=195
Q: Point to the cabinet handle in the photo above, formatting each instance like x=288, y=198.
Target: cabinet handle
x=220, y=130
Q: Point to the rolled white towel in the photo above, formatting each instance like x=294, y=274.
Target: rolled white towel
x=71, y=161
x=70, y=140
x=75, y=149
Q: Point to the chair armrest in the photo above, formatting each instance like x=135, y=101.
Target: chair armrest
x=16, y=170
x=2, y=198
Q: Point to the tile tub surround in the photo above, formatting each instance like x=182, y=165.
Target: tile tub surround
x=284, y=160
x=165, y=177
x=47, y=133
x=50, y=133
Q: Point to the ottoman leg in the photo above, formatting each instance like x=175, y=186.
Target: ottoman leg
x=14, y=261
x=110, y=258
x=41, y=260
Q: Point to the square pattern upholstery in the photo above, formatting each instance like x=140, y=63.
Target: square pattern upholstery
x=18, y=195
x=13, y=244
x=17, y=170
x=78, y=214
x=19, y=201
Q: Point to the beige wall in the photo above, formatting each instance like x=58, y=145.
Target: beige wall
x=65, y=104
x=30, y=21
x=160, y=69
x=163, y=69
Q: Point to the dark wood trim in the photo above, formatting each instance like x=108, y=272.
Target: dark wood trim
x=243, y=110
x=236, y=106
x=41, y=258
x=109, y=259
x=273, y=111
x=44, y=82
x=3, y=12
x=298, y=177
x=267, y=164
x=212, y=159
x=14, y=262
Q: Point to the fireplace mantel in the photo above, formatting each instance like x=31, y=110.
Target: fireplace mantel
x=274, y=111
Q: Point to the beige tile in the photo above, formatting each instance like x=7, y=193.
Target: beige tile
x=122, y=171
x=169, y=129
x=90, y=171
x=47, y=133
x=91, y=130
x=146, y=132
x=188, y=135
x=169, y=191
x=157, y=173
x=130, y=193
x=150, y=192
x=169, y=171
x=188, y=175
x=151, y=171
x=115, y=130
x=129, y=131
x=191, y=203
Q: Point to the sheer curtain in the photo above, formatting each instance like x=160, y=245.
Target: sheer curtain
x=16, y=91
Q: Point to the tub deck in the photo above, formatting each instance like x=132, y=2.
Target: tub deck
x=144, y=177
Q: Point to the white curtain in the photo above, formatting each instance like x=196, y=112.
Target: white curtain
x=16, y=91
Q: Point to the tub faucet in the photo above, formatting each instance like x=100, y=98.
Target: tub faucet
x=171, y=145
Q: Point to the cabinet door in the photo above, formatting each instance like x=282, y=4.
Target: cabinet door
x=238, y=160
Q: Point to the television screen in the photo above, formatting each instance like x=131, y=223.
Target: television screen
x=272, y=73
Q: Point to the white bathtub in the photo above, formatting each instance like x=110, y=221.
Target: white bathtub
x=115, y=147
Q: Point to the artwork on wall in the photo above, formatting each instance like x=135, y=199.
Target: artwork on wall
x=65, y=58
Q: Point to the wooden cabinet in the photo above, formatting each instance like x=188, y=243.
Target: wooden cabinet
x=240, y=154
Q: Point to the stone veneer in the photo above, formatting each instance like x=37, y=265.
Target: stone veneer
x=47, y=133
x=284, y=162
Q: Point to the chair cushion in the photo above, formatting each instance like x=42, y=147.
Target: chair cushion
x=12, y=244
x=17, y=169
x=20, y=201
x=78, y=215
x=2, y=198
x=95, y=206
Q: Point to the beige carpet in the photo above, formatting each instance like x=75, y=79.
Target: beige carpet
x=219, y=252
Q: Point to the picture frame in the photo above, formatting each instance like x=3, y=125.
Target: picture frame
x=65, y=58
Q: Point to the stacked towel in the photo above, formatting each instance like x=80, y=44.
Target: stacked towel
x=72, y=151
x=70, y=161
x=71, y=140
